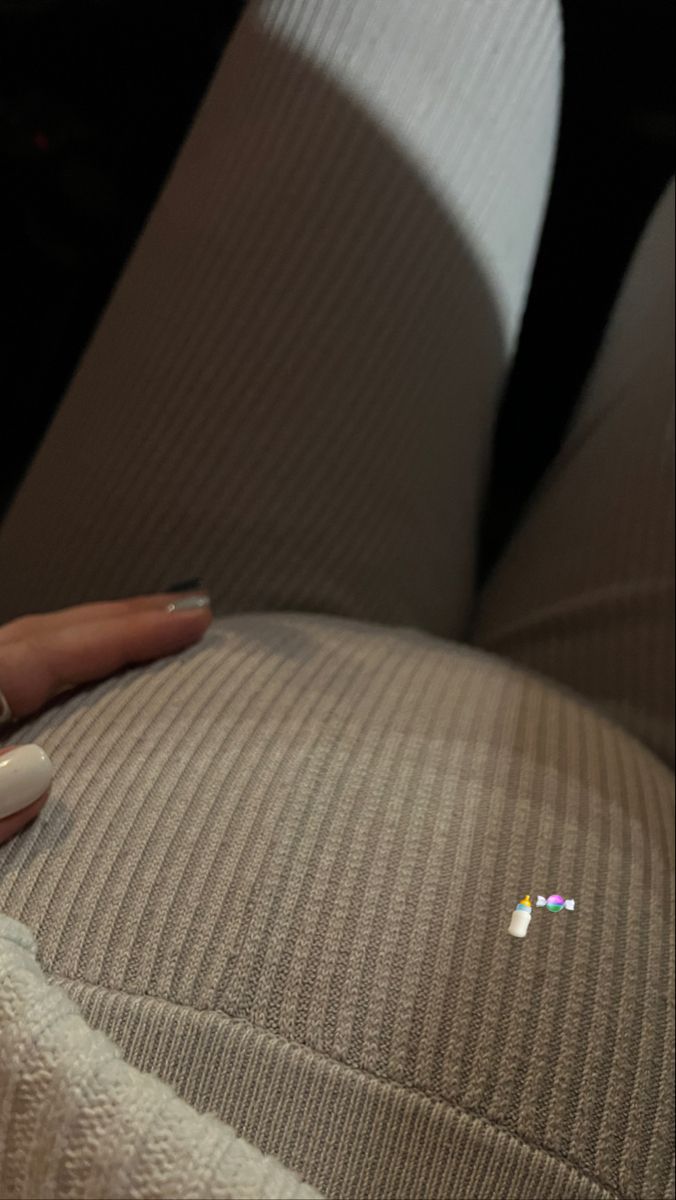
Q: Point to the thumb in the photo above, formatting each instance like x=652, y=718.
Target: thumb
x=25, y=776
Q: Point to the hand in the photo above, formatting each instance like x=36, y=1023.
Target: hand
x=41, y=656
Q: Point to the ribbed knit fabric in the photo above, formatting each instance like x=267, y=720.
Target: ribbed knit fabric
x=279, y=871
x=585, y=592
x=77, y=1122
x=292, y=391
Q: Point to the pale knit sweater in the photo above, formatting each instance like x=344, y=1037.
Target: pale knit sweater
x=77, y=1121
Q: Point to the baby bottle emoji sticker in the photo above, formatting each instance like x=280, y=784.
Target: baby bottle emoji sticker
x=518, y=926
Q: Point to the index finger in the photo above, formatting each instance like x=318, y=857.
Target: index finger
x=78, y=614
x=36, y=668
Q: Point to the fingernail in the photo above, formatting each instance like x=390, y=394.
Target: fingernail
x=186, y=603
x=25, y=773
x=187, y=585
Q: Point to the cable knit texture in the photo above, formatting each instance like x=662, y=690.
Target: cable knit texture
x=78, y=1122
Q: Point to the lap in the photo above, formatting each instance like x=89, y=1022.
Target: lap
x=279, y=871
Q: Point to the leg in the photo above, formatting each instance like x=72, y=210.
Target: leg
x=292, y=391
x=585, y=591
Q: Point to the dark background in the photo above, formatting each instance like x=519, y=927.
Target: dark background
x=96, y=96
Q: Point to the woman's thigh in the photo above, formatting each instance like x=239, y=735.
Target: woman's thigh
x=292, y=390
x=585, y=591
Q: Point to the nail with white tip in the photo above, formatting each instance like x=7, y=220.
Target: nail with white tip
x=187, y=603
x=25, y=774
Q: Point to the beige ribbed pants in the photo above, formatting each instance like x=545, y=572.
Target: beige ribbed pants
x=292, y=391
x=278, y=870
x=585, y=591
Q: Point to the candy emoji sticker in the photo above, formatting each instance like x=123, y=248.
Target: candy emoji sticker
x=554, y=903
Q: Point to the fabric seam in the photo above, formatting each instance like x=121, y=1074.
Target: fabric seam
x=570, y=1165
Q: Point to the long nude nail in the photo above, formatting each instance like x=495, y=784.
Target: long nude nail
x=25, y=773
x=187, y=603
x=186, y=585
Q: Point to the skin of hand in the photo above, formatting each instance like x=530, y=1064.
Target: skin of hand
x=44, y=655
